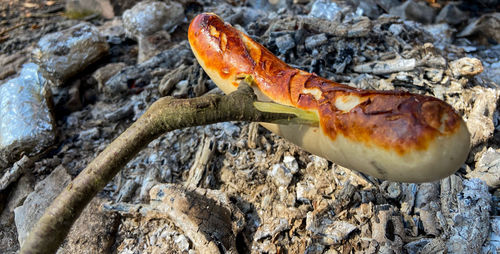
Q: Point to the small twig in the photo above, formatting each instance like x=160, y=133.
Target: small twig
x=164, y=115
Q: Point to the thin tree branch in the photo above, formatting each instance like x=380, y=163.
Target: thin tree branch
x=164, y=115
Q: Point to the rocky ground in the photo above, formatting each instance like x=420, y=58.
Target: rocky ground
x=95, y=67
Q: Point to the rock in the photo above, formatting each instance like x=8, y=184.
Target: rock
x=103, y=74
x=386, y=5
x=488, y=168
x=285, y=43
x=150, y=23
x=485, y=29
x=417, y=11
x=370, y=8
x=325, y=9
x=146, y=18
x=16, y=198
x=451, y=14
x=113, y=30
x=466, y=66
x=66, y=53
x=35, y=204
x=26, y=122
x=83, y=8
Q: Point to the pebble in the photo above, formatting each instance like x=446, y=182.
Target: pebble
x=146, y=18
x=412, y=10
x=35, y=204
x=66, y=53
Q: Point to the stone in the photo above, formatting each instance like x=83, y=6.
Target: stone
x=370, y=8
x=451, y=14
x=66, y=53
x=35, y=204
x=21, y=190
x=150, y=23
x=26, y=122
x=146, y=18
x=485, y=29
x=416, y=11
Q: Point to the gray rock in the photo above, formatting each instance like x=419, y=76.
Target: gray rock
x=150, y=23
x=386, y=5
x=451, y=14
x=285, y=43
x=21, y=190
x=146, y=18
x=35, y=204
x=66, y=53
x=417, y=11
x=369, y=8
x=488, y=168
x=26, y=123
x=485, y=28
x=315, y=41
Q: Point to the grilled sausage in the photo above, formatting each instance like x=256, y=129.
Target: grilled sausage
x=391, y=135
